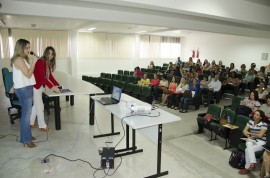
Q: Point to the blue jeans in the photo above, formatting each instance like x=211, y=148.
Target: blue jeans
x=25, y=96
x=185, y=102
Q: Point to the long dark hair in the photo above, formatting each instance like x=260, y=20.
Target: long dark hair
x=51, y=63
x=256, y=95
x=262, y=114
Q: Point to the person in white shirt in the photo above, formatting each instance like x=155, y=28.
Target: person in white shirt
x=23, y=66
x=213, y=91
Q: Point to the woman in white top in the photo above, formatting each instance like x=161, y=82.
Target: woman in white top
x=252, y=101
x=176, y=96
x=23, y=78
x=255, y=131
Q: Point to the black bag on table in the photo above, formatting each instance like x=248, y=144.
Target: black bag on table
x=237, y=159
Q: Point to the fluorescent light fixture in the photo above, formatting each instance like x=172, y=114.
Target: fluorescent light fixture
x=141, y=32
x=90, y=29
x=2, y=22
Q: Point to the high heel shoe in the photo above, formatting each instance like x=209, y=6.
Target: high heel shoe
x=33, y=126
x=30, y=145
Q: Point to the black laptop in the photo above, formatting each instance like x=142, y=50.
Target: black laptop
x=114, y=99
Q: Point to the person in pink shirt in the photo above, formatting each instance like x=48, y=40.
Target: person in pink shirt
x=138, y=72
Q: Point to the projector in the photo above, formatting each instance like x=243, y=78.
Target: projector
x=134, y=107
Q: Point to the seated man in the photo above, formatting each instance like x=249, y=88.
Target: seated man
x=213, y=91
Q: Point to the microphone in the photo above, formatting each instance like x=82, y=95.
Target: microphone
x=32, y=53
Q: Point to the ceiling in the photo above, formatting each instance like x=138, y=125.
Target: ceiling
x=187, y=22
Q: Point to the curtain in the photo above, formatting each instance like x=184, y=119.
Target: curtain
x=4, y=44
x=40, y=39
x=154, y=47
x=105, y=46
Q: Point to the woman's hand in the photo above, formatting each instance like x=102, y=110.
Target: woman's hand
x=12, y=90
x=55, y=89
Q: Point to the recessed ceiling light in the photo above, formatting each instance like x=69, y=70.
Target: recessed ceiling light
x=141, y=32
x=90, y=29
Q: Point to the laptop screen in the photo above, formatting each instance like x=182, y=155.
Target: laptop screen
x=116, y=93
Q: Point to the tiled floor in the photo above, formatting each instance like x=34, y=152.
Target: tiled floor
x=184, y=154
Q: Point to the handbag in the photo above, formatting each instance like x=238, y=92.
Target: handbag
x=187, y=94
x=208, y=117
x=237, y=159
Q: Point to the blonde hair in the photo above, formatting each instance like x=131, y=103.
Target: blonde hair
x=18, y=50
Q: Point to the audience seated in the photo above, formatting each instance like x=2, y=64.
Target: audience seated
x=144, y=81
x=151, y=65
x=232, y=83
x=212, y=92
x=248, y=81
x=262, y=91
x=199, y=63
x=163, y=85
x=255, y=129
x=243, y=70
x=252, y=101
x=232, y=68
x=206, y=65
x=178, y=61
x=169, y=91
x=194, y=89
x=265, y=170
x=155, y=81
x=220, y=64
x=266, y=108
x=137, y=72
x=174, y=98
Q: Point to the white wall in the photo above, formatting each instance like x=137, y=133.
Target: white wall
x=228, y=48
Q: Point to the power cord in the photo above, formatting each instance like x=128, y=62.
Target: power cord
x=17, y=137
x=96, y=169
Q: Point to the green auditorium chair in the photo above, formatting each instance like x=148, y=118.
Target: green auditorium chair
x=228, y=117
x=215, y=111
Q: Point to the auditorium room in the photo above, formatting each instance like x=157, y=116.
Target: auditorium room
x=130, y=88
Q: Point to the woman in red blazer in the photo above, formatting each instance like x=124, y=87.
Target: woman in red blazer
x=43, y=75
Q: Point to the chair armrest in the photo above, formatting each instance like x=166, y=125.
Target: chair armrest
x=202, y=114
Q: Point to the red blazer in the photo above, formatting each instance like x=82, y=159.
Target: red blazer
x=40, y=75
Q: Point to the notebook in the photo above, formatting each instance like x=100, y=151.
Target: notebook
x=114, y=99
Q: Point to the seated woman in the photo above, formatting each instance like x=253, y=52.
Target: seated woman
x=265, y=170
x=137, y=72
x=185, y=100
x=163, y=84
x=173, y=99
x=151, y=65
x=169, y=91
x=155, y=81
x=262, y=92
x=256, y=131
x=248, y=81
x=252, y=101
x=266, y=108
x=232, y=83
x=144, y=81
